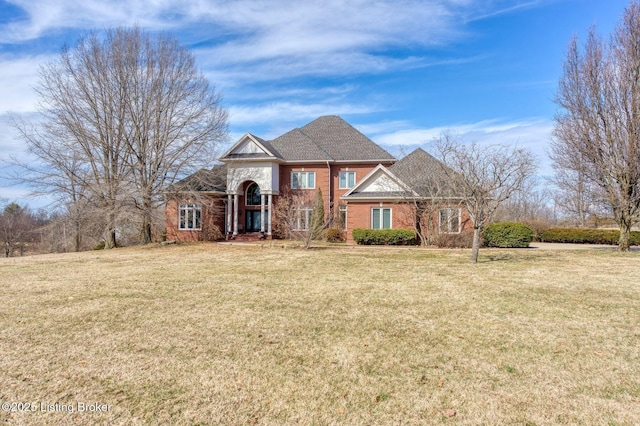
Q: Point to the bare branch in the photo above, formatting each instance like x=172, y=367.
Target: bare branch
x=123, y=115
x=484, y=178
x=596, y=146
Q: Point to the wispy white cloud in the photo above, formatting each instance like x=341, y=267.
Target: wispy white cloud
x=356, y=22
x=247, y=41
x=497, y=9
x=45, y=17
x=18, y=76
x=486, y=131
x=287, y=112
x=286, y=92
x=533, y=134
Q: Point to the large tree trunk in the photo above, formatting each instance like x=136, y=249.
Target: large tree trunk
x=146, y=236
x=625, y=233
x=77, y=237
x=110, y=237
x=475, y=249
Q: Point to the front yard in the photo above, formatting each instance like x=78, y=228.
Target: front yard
x=219, y=334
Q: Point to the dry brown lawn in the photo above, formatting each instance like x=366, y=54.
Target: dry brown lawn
x=214, y=334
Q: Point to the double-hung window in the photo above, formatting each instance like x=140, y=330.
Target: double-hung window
x=449, y=220
x=381, y=218
x=190, y=217
x=303, y=180
x=301, y=218
x=347, y=180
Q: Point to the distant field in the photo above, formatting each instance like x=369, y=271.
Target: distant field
x=212, y=334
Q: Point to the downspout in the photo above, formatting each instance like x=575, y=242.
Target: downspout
x=329, y=193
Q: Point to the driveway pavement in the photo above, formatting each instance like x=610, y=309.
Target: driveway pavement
x=566, y=246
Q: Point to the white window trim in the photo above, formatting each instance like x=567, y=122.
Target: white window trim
x=381, y=217
x=190, y=208
x=306, y=174
x=459, y=220
x=346, y=213
x=347, y=172
x=298, y=212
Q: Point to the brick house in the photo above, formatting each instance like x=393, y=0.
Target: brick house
x=362, y=185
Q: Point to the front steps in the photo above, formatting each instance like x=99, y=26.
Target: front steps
x=248, y=237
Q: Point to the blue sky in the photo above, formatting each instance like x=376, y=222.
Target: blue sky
x=401, y=71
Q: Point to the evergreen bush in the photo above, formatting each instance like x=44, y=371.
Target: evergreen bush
x=587, y=236
x=508, y=235
x=389, y=237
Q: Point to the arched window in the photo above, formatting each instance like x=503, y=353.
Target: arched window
x=253, y=195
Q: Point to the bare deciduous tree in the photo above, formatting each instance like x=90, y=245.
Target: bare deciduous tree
x=534, y=203
x=599, y=93
x=122, y=116
x=298, y=216
x=575, y=195
x=16, y=224
x=484, y=177
x=174, y=114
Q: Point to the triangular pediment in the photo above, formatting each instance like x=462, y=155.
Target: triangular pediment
x=380, y=183
x=249, y=146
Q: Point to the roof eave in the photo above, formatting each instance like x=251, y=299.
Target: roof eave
x=369, y=199
x=191, y=191
x=252, y=160
x=387, y=160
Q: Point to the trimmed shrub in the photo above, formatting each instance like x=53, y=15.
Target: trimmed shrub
x=587, y=236
x=384, y=237
x=508, y=235
x=334, y=235
x=461, y=240
x=538, y=226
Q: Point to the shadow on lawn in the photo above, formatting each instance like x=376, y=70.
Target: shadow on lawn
x=498, y=257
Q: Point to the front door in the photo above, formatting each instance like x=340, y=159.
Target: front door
x=253, y=221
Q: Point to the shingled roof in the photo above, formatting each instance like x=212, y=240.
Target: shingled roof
x=424, y=174
x=328, y=138
x=214, y=180
x=295, y=145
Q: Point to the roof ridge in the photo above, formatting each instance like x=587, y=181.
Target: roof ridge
x=316, y=144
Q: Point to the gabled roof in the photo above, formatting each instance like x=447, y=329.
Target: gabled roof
x=251, y=147
x=380, y=183
x=214, y=180
x=417, y=175
x=427, y=176
x=328, y=138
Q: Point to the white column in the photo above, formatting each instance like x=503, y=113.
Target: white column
x=262, y=213
x=229, y=204
x=270, y=201
x=235, y=214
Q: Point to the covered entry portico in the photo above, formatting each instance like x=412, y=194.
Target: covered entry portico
x=251, y=187
x=255, y=220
